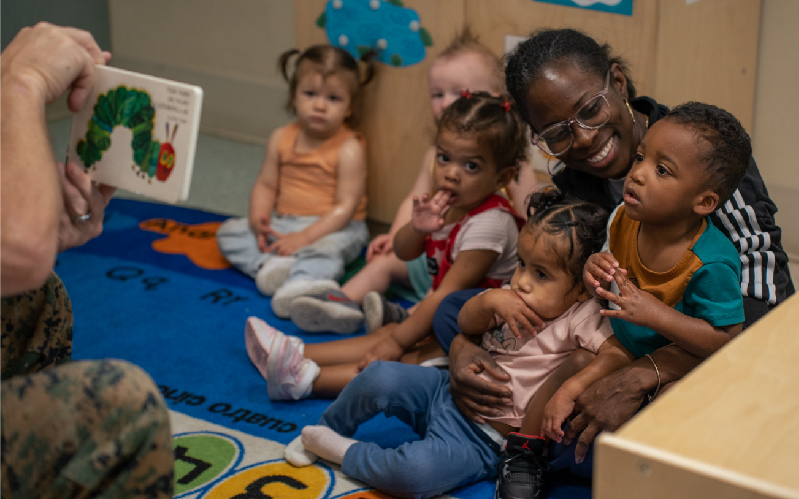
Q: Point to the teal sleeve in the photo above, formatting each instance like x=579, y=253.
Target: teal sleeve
x=714, y=294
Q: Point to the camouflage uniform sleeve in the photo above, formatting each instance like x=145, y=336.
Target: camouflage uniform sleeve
x=85, y=429
x=36, y=329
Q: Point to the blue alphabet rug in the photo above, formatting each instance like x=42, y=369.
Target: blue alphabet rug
x=154, y=290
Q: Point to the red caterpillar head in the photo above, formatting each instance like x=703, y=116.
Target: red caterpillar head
x=166, y=156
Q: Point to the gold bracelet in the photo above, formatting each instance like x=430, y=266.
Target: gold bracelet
x=657, y=388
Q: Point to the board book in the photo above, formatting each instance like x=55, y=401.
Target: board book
x=139, y=133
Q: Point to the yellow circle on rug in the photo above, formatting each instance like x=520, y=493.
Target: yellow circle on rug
x=276, y=479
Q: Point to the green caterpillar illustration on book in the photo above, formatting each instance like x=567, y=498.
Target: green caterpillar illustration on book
x=131, y=108
x=115, y=133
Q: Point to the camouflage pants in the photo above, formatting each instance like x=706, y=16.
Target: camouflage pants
x=36, y=329
x=75, y=429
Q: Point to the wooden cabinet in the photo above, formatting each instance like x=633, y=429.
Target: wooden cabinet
x=677, y=50
x=730, y=429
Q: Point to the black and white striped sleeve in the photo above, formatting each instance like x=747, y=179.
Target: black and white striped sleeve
x=748, y=220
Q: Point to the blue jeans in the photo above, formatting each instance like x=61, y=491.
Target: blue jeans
x=324, y=259
x=445, y=320
x=452, y=451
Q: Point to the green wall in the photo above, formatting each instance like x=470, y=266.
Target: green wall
x=91, y=15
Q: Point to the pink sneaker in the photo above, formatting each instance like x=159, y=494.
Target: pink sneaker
x=258, y=337
x=289, y=375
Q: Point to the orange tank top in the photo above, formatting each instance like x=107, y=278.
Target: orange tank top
x=307, y=181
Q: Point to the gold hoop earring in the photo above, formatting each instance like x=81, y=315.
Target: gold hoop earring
x=630, y=108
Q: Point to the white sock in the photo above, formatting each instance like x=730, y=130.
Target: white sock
x=297, y=455
x=326, y=443
x=304, y=388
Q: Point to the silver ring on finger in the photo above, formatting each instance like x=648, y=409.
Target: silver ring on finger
x=83, y=218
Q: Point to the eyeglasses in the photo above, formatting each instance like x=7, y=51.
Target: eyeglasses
x=555, y=140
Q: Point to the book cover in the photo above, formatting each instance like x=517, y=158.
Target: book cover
x=139, y=133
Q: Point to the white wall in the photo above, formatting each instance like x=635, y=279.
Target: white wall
x=775, y=134
x=229, y=48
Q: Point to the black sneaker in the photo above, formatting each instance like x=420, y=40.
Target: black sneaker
x=521, y=466
x=378, y=311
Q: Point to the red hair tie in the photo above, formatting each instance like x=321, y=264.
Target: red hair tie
x=466, y=94
x=506, y=105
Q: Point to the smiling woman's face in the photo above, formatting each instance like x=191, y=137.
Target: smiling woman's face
x=559, y=91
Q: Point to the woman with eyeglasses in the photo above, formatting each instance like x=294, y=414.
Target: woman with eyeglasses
x=583, y=111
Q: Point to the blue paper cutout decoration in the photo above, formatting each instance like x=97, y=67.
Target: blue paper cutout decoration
x=624, y=7
x=393, y=31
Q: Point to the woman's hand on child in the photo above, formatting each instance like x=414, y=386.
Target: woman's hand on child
x=514, y=311
x=386, y=349
x=473, y=394
x=606, y=405
x=635, y=305
x=599, y=270
x=559, y=407
x=380, y=245
x=286, y=244
x=428, y=213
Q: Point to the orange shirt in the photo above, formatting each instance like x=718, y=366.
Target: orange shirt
x=669, y=286
x=704, y=284
x=307, y=182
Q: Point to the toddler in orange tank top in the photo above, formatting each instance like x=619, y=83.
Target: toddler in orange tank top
x=308, y=204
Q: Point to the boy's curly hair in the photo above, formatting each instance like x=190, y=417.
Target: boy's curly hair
x=730, y=149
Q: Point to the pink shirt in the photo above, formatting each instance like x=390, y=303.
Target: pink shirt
x=531, y=359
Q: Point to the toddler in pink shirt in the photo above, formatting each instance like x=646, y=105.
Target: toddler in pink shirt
x=559, y=236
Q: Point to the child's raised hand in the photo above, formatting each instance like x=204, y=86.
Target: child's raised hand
x=514, y=311
x=286, y=244
x=559, y=407
x=635, y=305
x=599, y=270
x=380, y=245
x=428, y=213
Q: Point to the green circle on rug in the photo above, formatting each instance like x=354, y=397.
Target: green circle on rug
x=200, y=459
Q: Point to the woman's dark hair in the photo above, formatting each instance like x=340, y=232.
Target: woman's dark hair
x=581, y=224
x=729, y=150
x=547, y=46
x=496, y=123
x=327, y=60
